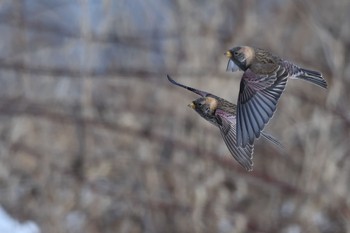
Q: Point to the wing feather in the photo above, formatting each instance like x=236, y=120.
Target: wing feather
x=227, y=128
x=257, y=102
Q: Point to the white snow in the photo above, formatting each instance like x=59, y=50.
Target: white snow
x=10, y=225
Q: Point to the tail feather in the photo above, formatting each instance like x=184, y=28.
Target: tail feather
x=313, y=77
x=272, y=140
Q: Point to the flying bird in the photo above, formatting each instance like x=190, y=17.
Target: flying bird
x=263, y=81
x=222, y=114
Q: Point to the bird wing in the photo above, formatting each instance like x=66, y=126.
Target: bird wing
x=227, y=126
x=257, y=101
x=198, y=92
x=231, y=66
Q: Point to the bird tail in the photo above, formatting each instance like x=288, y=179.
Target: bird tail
x=272, y=140
x=312, y=76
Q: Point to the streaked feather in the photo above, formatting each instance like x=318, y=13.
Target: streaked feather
x=256, y=105
x=227, y=128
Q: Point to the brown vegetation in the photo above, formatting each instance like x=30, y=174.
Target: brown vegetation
x=93, y=138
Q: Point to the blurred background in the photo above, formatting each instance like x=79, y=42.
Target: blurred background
x=93, y=138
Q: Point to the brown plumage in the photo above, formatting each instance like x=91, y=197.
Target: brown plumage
x=222, y=114
x=262, y=84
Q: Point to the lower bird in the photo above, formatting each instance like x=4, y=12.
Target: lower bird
x=262, y=84
x=222, y=114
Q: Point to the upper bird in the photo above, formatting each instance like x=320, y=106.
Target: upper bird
x=222, y=114
x=263, y=81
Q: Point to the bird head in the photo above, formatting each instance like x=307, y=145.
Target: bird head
x=240, y=58
x=204, y=106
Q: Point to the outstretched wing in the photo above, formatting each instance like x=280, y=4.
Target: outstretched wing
x=227, y=126
x=257, y=102
x=198, y=92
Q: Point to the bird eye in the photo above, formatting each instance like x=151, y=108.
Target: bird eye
x=236, y=53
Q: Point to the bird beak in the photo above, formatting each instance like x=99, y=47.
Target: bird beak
x=228, y=54
x=191, y=105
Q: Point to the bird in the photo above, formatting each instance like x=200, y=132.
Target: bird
x=262, y=84
x=222, y=114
